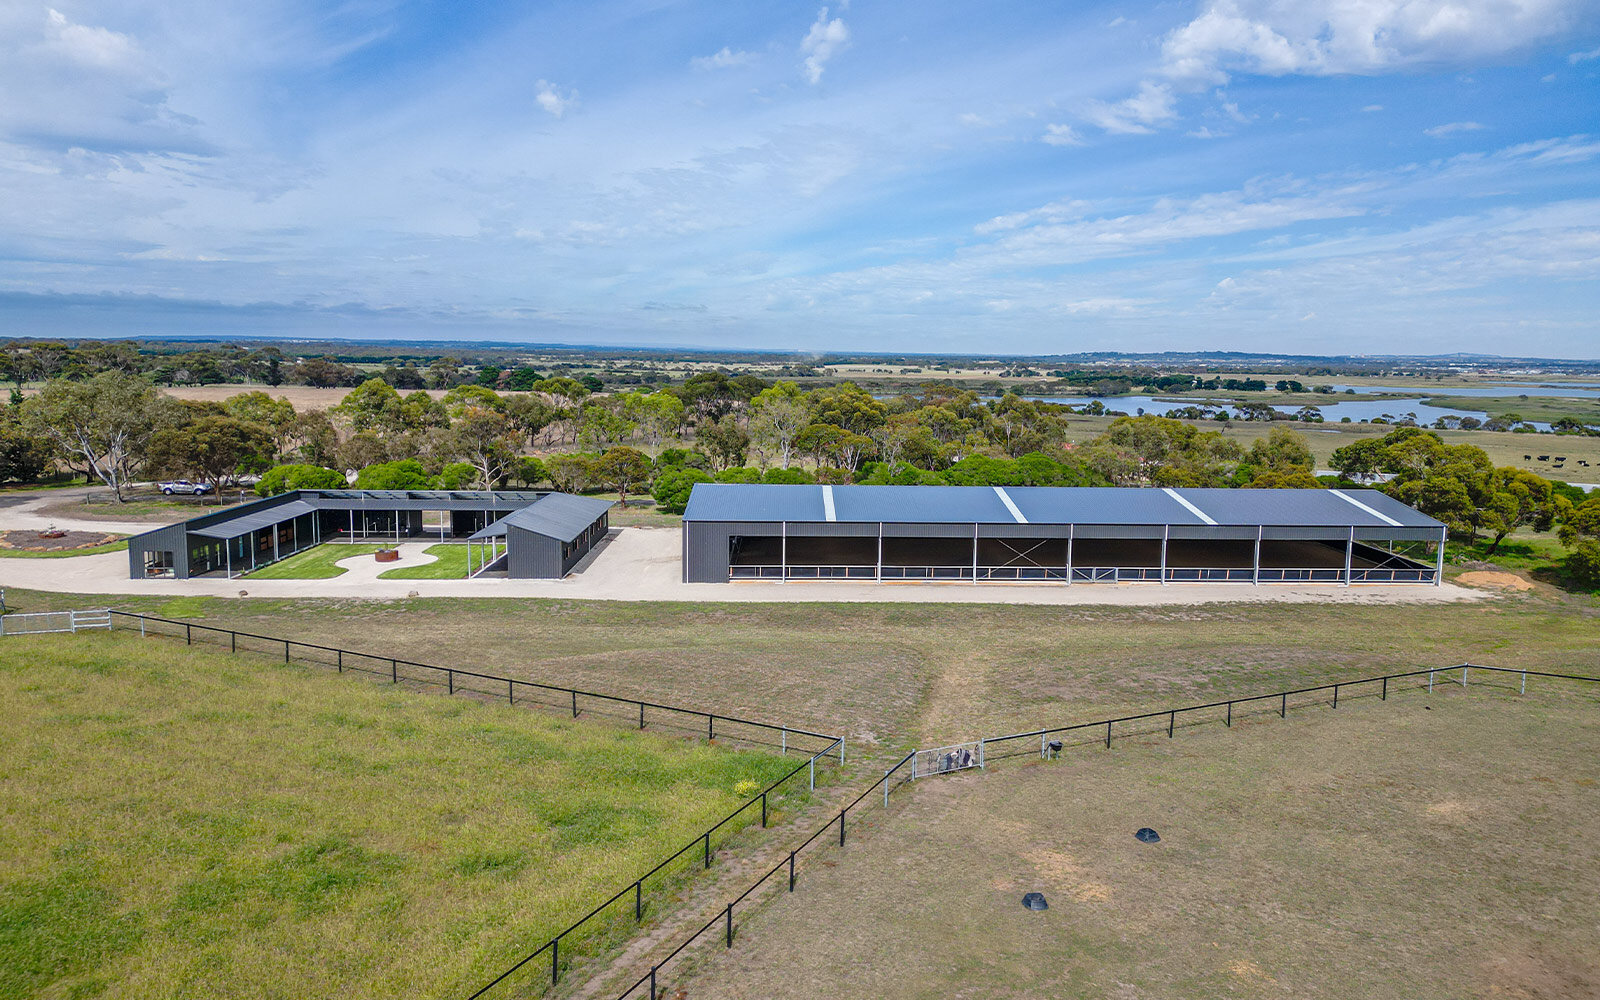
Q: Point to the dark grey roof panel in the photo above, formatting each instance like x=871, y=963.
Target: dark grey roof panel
x=1099, y=505
x=918, y=504
x=737, y=502
x=1318, y=508
x=233, y=527
x=561, y=516
x=743, y=502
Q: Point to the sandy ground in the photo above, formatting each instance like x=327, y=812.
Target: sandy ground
x=643, y=564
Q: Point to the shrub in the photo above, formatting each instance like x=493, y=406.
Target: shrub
x=672, y=488
x=406, y=474
x=286, y=478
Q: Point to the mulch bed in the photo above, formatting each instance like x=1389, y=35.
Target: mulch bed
x=29, y=540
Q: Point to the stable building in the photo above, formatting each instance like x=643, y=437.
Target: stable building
x=551, y=534
x=1067, y=535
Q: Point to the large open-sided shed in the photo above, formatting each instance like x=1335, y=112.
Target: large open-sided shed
x=1038, y=533
x=236, y=540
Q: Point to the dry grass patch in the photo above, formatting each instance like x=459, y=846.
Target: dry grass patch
x=1425, y=847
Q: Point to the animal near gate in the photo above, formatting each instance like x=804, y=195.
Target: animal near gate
x=944, y=760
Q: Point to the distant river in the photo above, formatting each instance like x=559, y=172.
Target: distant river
x=1333, y=408
x=1570, y=390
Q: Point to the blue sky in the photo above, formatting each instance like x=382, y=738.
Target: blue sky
x=1318, y=176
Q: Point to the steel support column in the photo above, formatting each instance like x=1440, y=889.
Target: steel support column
x=1166, y=531
x=1349, y=554
x=1255, y=572
x=1438, y=573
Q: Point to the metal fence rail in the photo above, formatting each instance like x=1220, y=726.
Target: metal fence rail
x=649, y=984
x=1085, y=574
x=508, y=981
x=1103, y=728
x=40, y=622
x=513, y=690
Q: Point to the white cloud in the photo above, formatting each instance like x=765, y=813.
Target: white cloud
x=725, y=59
x=1372, y=107
x=1061, y=135
x=99, y=47
x=1332, y=37
x=553, y=100
x=1578, y=57
x=1451, y=128
x=824, y=41
x=1153, y=105
x=971, y=119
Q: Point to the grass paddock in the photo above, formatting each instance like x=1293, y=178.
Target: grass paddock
x=182, y=822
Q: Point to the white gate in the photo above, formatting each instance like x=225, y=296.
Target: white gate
x=945, y=760
x=38, y=622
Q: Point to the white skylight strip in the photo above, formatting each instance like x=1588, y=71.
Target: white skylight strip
x=1385, y=518
x=827, y=504
x=1196, y=511
x=1005, y=498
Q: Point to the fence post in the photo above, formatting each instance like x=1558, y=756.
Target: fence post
x=812, y=767
x=1463, y=675
x=641, y=715
x=638, y=900
x=141, y=626
x=1230, y=715
x=286, y=650
x=1283, y=706
x=233, y=642
x=1524, y=682
x=1336, y=696
x=188, y=634
x=555, y=958
x=341, y=660
x=783, y=745
x=708, y=848
x=450, y=680
x=1172, y=722
x=511, y=692
x=1385, y=695
x=574, y=704
x=763, y=810
x=1430, y=682
x=791, y=871
x=652, y=982
x=841, y=827
x=886, y=788
x=730, y=925
x=841, y=750
x=394, y=672
x=1108, y=734
x=711, y=727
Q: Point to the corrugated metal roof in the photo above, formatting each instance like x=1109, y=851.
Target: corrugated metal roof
x=233, y=527
x=561, y=516
x=740, y=502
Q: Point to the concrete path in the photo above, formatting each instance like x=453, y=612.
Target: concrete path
x=364, y=569
x=642, y=564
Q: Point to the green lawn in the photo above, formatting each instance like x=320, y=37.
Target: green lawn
x=451, y=565
x=181, y=822
x=92, y=550
x=315, y=563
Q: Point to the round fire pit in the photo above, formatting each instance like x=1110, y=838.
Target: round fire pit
x=387, y=555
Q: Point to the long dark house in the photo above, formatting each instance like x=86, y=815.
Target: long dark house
x=1062, y=534
x=521, y=534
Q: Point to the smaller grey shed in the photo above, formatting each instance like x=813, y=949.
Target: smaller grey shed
x=550, y=536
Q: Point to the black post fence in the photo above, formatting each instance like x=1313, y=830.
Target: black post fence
x=1378, y=685
x=647, y=986
x=514, y=690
